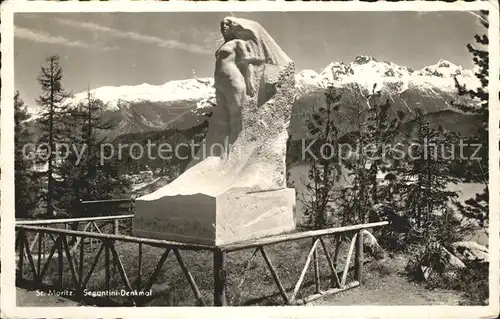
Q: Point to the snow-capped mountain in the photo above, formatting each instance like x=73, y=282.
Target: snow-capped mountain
x=368, y=73
x=184, y=103
x=173, y=91
x=431, y=89
x=307, y=79
x=364, y=70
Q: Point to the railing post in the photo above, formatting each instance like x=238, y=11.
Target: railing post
x=20, y=240
x=91, y=226
x=139, y=268
x=39, y=254
x=60, y=261
x=80, y=263
x=116, y=224
x=338, y=242
x=220, y=278
x=107, y=277
x=359, y=257
x=316, y=267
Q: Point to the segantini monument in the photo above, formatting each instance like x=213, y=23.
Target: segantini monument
x=235, y=187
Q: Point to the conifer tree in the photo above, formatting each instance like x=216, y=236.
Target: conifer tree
x=88, y=175
x=353, y=201
x=375, y=129
x=379, y=131
x=26, y=187
x=426, y=179
x=478, y=206
x=323, y=161
x=53, y=130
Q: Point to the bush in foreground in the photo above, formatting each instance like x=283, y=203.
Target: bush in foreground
x=431, y=265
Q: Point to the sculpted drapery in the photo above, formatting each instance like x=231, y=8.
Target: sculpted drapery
x=247, y=61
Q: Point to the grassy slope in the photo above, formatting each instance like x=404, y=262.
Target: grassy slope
x=384, y=284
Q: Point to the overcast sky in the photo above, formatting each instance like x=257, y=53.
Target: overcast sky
x=101, y=49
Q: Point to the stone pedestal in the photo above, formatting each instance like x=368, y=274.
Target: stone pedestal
x=233, y=216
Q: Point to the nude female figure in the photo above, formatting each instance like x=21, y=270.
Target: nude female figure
x=233, y=75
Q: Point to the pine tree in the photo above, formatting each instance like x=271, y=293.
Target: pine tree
x=103, y=177
x=53, y=130
x=323, y=161
x=379, y=131
x=375, y=129
x=478, y=206
x=426, y=178
x=86, y=175
x=431, y=225
x=353, y=200
x=26, y=187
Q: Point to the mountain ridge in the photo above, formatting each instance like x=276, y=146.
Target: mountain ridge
x=183, y=104
x=364, y=70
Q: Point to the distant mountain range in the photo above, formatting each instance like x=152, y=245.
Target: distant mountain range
x=186, y=103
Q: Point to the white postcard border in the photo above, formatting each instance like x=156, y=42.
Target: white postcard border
x=8, y=291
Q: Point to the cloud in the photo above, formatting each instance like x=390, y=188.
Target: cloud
x=213, y=38
x=37, y=36
x=424, y=14
x=134, y=36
